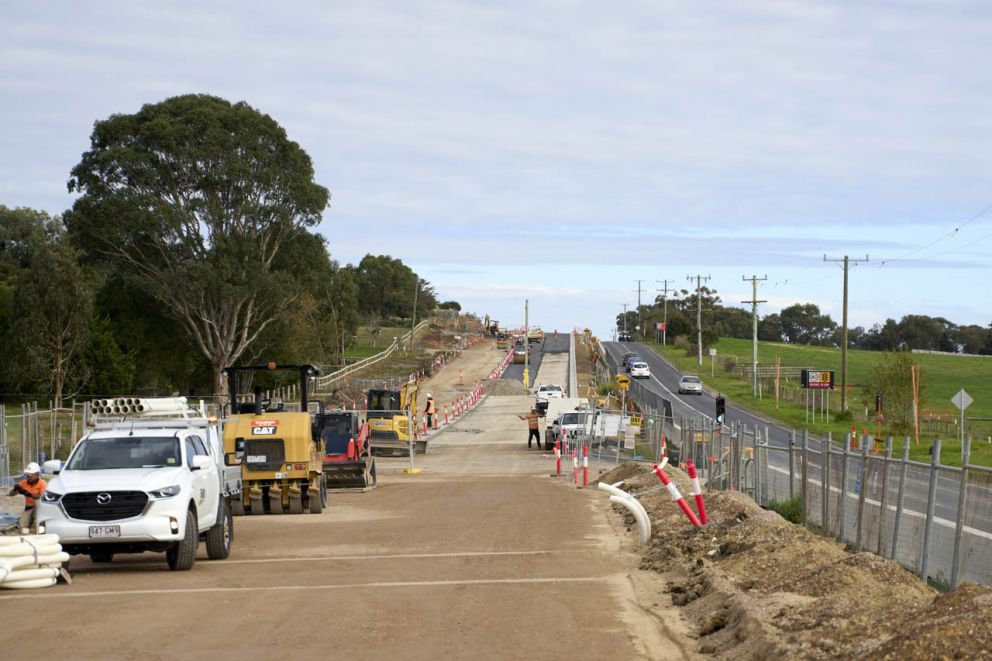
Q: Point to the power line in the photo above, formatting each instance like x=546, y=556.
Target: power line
x=946, y=235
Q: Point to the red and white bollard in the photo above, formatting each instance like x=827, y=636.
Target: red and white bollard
x=425, y=425
x=585, y=465
x=434, y=418
x=664, y=449
x=697, y=491
x=575, y=466
x=557, y=458
x=673, y=489
x=446, y=413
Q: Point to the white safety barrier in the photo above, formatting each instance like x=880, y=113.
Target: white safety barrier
x=30, y=561
x=621, y=497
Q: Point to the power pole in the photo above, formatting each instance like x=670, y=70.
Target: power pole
x=640, y=319
x=843, y=346
x=664, y=298
x=754, y=330
x=413, y=322
x=625, y=319
x=699, y=314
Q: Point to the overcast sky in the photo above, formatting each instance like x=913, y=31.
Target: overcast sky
x=558, y=151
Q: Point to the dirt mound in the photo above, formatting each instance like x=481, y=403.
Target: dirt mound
x=505, y=388
x=754, y=584
x=955, y=626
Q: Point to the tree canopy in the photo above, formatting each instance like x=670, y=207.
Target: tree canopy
x=196, y=199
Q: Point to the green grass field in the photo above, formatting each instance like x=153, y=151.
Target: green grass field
x=363, y=347
x=943, y=375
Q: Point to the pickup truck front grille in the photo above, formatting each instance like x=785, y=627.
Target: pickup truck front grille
x=104, y=505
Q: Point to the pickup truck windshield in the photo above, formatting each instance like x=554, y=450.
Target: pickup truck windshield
x=126, y=452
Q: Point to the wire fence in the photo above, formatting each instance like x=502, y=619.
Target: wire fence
x=931, y=518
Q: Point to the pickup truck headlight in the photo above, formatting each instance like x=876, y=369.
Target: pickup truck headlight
x=50, y=497
x=166, y=492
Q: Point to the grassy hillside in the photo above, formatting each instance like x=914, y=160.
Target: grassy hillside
x=363, y=347
x=944, y=376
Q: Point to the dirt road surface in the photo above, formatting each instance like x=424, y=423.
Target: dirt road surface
x=480, y=555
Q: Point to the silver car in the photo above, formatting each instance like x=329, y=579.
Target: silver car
x=690, y=385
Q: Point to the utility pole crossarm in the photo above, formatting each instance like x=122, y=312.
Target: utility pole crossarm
x=664, y=298
x=754, y=321
x=843, y=348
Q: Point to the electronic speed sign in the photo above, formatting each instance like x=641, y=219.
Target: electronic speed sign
x=818, y=379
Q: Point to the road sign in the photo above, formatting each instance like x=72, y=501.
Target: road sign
x=712, y=352
x=628, y=438
x=817, y=379
x=623, y=381
x=962, y=400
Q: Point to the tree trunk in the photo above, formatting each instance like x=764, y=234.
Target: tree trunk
x=220, y=381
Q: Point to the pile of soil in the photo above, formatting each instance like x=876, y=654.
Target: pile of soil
x=505, y=388
x=753, y=584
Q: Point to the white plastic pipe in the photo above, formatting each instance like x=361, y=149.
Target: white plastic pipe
x=621, y=497
x=30, y=561
x=634, y=507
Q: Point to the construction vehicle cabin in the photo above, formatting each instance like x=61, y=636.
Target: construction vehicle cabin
x=348, y=462
x=390, y=420
x=281, y=452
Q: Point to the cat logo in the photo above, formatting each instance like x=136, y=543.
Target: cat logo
x=264, y=427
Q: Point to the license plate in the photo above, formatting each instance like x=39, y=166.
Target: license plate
x=102, y=532
x=282, y=476
x=256, y=459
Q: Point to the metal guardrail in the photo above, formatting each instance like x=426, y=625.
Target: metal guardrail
x=324, y=381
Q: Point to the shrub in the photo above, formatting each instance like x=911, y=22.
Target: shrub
x=790, y=509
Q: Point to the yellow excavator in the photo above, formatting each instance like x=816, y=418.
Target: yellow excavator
x=281, y=452
x=390, y=419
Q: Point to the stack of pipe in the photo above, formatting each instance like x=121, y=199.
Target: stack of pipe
x=30, y=561
x=117, y=406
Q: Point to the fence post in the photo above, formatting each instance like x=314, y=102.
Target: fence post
x=882, y=501
x=842, y=510
x=792, y=462
x=825, y=448
x=904, y=464
x=804, y=487
x=959, y=524
x=863, y=481
x=931, y=498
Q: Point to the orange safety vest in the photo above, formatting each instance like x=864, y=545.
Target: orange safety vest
x=430, y=407
x=35, y=490
x=532, y=419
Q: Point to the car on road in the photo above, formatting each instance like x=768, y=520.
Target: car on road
x=690, y=384
x=623, y=336
x=639, y=370
x=630, y=355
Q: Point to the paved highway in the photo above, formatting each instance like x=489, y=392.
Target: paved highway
x=551, y=344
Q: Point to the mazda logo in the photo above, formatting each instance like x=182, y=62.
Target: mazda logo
x=103, y=498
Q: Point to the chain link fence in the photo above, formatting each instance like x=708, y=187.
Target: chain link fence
x=931, y=518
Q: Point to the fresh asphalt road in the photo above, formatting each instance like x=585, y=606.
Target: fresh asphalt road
x=551, y=344
x=664, y=381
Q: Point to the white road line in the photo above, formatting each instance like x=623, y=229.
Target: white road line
x=397, y=556
x=36, y=594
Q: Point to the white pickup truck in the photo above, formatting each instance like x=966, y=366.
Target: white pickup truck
x=546, y=392
x=143, y=485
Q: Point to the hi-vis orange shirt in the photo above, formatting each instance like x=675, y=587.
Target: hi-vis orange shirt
x=35, y=490
x=430, y=406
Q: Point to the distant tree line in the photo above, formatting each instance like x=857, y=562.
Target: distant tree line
x=191, y=246
x=804, y=323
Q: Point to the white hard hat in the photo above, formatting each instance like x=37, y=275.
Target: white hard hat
x=32, y=469
x=429, y=396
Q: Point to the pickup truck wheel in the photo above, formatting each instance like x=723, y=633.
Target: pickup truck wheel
x=220, y=536
x=182, y=556
x=101, y=556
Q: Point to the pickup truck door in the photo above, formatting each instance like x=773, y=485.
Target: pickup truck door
x=206, y=483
